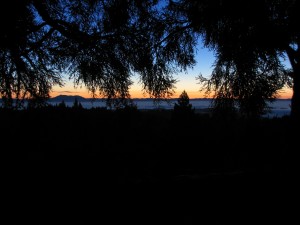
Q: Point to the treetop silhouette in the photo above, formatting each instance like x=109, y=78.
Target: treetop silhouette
x=248, y=37
x=183, y=108
x=102, y=44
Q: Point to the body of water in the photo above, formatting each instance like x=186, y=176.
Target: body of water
x=279, y=108
x=143, y=104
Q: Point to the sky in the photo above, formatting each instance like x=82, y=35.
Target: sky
x=186, y=80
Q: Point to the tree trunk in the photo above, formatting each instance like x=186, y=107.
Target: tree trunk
x=295, y=106
x=294, y=57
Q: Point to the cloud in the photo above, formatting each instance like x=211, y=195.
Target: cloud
x=69, y=92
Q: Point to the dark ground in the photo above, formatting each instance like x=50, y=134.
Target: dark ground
x=96, y=166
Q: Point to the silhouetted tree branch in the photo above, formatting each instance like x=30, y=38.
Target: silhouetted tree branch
x=249, y=37
x=100, y=44
x=26, y=72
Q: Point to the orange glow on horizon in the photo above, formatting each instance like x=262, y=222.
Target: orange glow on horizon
x=285, y=93
x=189, y=85
x=135, y=92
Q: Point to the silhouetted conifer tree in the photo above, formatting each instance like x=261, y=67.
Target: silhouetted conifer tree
x=77, y=104
x=183, y=108
x=62, y=105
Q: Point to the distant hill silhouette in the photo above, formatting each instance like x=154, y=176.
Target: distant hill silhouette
x=71, y=98
x=68, y=98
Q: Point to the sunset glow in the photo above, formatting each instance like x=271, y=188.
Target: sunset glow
x=186, y=80
x=193, y=91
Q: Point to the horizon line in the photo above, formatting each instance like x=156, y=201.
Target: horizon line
x=148, y=97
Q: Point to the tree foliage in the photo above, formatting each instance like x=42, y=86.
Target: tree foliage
x=27, y=69
x=104, y=44
x=249, y=39
x=101, y=44
x=247, y=89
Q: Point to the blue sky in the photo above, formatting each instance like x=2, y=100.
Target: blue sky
x=186, y=80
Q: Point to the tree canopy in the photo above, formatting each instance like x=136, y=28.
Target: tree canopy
x=103, y=44
x=27, y=67
x=249, y=39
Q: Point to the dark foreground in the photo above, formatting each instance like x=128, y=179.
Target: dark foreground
x=133, y=167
